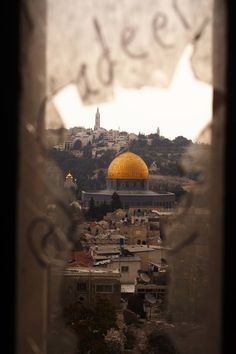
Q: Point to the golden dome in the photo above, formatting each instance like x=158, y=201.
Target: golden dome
x=127, y=166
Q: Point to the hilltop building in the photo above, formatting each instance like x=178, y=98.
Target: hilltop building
x=97, y=120
x=128, y=176
x=70, y=188
x=153, y=168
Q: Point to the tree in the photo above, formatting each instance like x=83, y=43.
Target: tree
x=104, y=208
x=91, y=324
x=87, y=150
x=106, y=158
x=77, y=145
x=181, y=141
x=115, y=202
x=156, y=141
x=135, y=304
x=166, y=142
x=91, y=213
x=101, y=179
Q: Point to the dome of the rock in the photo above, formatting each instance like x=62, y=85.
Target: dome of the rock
x=127, y=166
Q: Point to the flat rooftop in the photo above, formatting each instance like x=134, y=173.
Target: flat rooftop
x=126, y=259
x=126, y=192
x=137, y=248
x=116, y=249
x=90, y=271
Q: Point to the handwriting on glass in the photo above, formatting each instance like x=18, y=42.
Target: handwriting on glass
x=105, y=64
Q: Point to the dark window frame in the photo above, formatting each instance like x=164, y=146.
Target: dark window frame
x=126, y=269
x=105, y=285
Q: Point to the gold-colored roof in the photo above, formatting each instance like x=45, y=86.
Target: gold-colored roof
x=128, y=166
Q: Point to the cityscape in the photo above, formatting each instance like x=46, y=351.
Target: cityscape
x=123, y=178
x=120, y=276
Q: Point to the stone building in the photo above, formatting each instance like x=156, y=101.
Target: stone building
x=88, y=285
x=147, y=254
x=128, y=268
x=135, y=234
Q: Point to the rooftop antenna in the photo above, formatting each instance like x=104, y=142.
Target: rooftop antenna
x=122, y=245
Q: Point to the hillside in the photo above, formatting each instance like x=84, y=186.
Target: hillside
x=165, y=154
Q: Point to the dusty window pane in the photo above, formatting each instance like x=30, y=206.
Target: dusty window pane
x=131, y=183
x=118, y=43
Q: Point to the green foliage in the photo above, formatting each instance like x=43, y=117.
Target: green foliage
x=83, y=168
x=91, y=324
x=181, y=141
x=115, y=202
x=106, y=158
x=87, y=150
x=166, y=153
x=130, y=339
x=159, y=341
x=105, y=315
x=91, y=213
x=96, y=212
x=77, y=145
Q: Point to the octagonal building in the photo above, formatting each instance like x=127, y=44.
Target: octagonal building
x=128, y=176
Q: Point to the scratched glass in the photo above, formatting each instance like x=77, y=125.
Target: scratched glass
x=94, y=49
x=126, y=43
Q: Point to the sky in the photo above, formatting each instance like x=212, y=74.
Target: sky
x=182, y=109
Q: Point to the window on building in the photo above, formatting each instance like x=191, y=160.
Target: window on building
x=124, y=269
x=82, y=287
x=104, y=288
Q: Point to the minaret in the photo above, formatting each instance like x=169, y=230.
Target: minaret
x=69, y=181
x=158, y=131
x=97, y=120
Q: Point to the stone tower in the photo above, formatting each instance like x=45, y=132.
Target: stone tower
x=97, y=120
